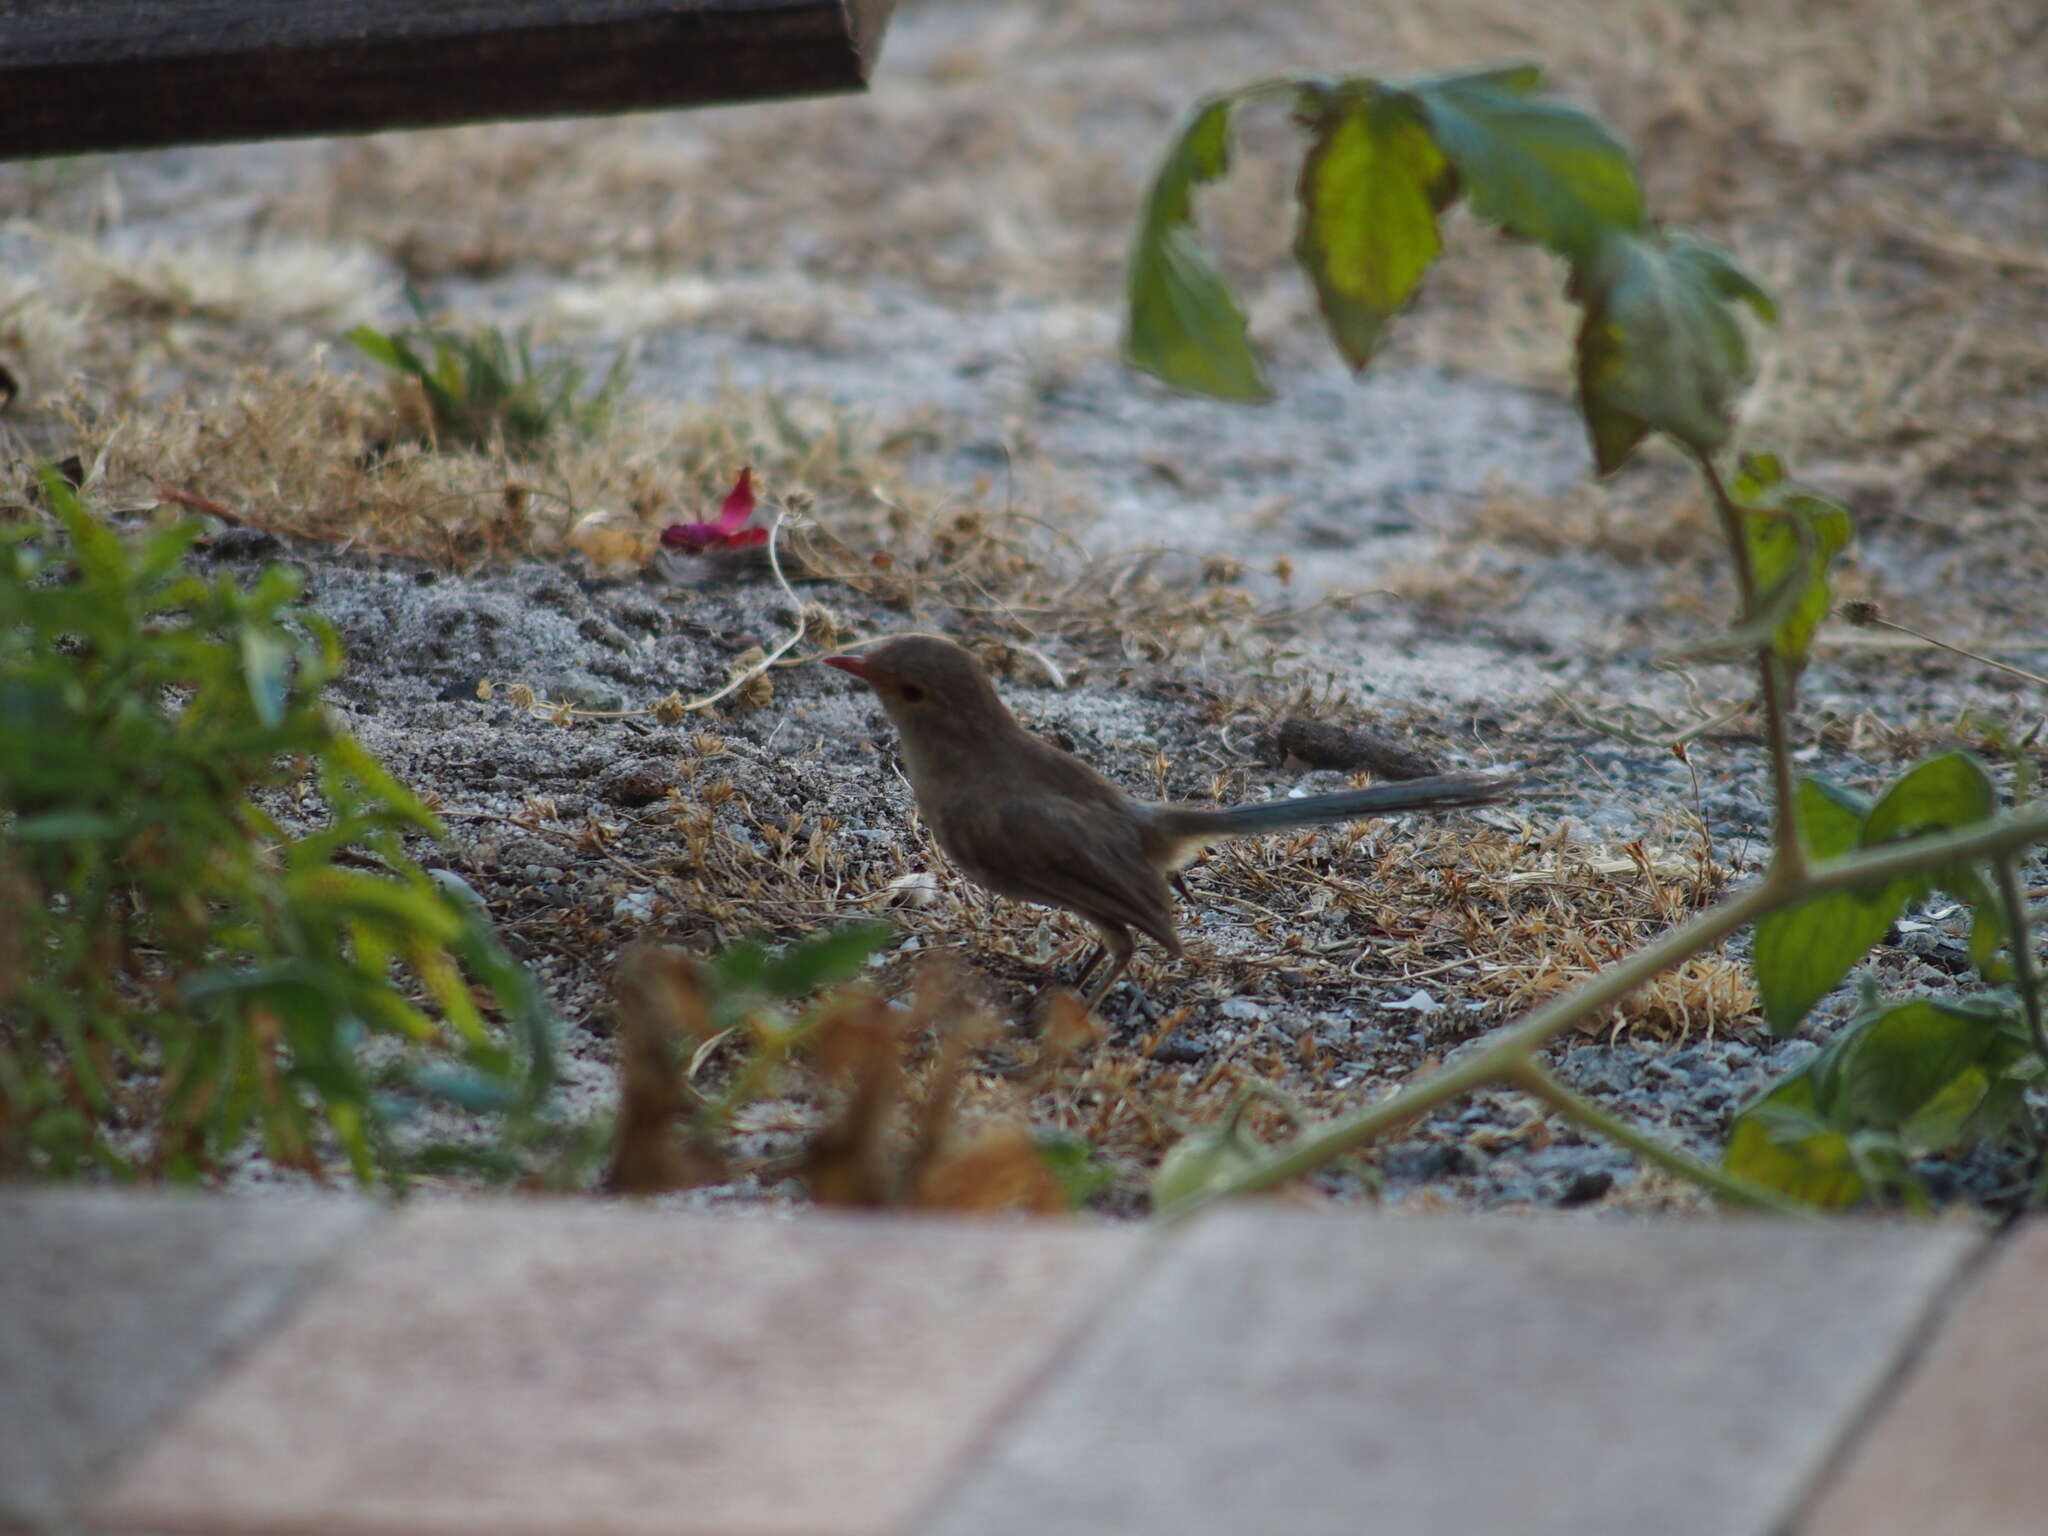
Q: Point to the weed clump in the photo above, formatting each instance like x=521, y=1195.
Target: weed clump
x=212, y=927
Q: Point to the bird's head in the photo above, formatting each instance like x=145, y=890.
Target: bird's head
x=935, y=691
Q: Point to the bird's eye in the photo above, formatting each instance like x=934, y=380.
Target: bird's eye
x=912, y=694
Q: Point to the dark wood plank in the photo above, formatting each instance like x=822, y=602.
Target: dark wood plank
x=79, y=75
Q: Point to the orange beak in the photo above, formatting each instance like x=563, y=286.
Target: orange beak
x=859, y=666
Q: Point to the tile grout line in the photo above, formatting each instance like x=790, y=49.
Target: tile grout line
x=315, y=1278
x=1918, y=1344
x=986, y=1441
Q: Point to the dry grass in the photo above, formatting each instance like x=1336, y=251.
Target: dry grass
x=1349, y=921
x=1881, y=163
x=330, y=457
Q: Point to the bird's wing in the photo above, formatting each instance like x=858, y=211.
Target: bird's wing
x=1086, y=857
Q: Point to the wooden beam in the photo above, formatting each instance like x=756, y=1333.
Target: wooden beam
x=79, y=75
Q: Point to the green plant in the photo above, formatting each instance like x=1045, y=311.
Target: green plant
x=480, y=387
x=1660, y=349
x=211, y=915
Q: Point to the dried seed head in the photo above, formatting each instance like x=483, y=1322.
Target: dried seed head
x=668, y=709
x=1862, y=611
x=821, y=625
x=758, y=688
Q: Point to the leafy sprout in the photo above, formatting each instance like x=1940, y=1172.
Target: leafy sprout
x=482, y=386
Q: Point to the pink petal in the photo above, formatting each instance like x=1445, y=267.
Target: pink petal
x=739, y=503
x=730, y=531
x=694, y=537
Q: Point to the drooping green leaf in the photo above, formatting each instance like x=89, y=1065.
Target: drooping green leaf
x=1542, y=170
x=1372, y=185
x=1920, y=1068
x=1185, y=326
x=1803, y=952
x=1793, y=534
x=1659, y=348
x=1784, y=1143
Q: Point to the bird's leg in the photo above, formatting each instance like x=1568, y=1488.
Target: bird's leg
x=1120, y=946
x=1095, y=957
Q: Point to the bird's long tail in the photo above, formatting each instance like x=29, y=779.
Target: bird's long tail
x=1192, y=828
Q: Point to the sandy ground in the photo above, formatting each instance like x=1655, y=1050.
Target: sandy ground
x=904, y=307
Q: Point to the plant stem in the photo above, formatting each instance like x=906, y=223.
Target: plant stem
x=1732, y=1187
x=1788, y=852
x=2020, y=939
x=1510, y=1053
x=1505, y=1058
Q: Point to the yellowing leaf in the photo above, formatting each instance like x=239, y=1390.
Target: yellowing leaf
x=1371, y=188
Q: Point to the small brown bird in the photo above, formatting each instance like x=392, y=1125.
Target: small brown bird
x=1026, y=820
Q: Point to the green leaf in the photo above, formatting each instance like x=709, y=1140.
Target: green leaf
x=380, y=348
x=1793, y=535
x=1659, y=349
x=1372, y=185
x=1987, y=943
x=739, y=967
x=1941, y=794
x=374, y=899
x=1540, y=169
x=1914, y=1078
x=466, y=1090
x=1072, y=1163
x=65, y=826
x=1784, y=1143
x=1186, y=327
x=1803, y=952
x=1920, y=1068
x=836, y=955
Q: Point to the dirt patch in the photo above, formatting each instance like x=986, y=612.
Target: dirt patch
x=901, y=309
